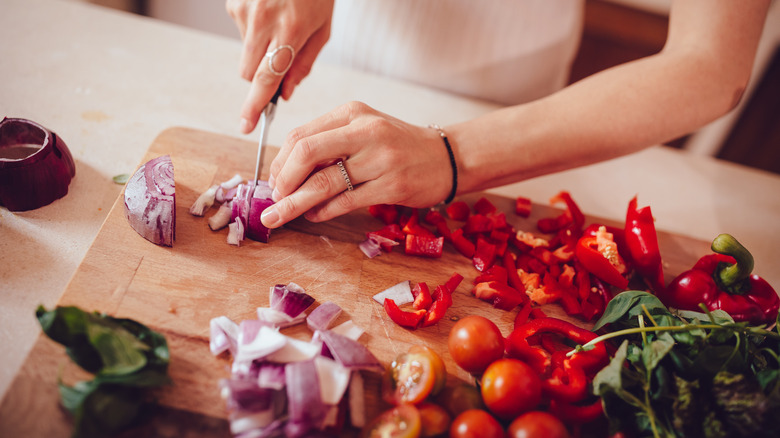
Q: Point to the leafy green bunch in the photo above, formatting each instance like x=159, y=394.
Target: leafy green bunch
x=687, y=374
x=126, y=358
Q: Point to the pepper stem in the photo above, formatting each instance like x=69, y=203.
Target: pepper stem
x=730, y=274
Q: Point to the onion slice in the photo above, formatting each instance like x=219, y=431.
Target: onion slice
x=348, y=352
x=323, y=316
x=38, y=176
x=204, y=201
x=401, y=293
x=150, y=201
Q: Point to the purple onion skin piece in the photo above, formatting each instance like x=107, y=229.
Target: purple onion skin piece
x=38, y=179
x=150, y=201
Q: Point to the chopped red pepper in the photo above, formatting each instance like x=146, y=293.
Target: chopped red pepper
x=453, y=282
x=385, y=212
x=412, y=226
x=422, y=296
x=458, y=211
x=484, y=206
x=513, y=278
x=523, y=206
x=571, y=217
x=477, y=223
x=601, y=259
x=724, y=281
x=577, y=413
x=401, y=317
x=433, y=217
x=442, y=300
x=500, y=295
x=462, y=244
x=392, y=232
x=567, y=383
x=642, y=245
x=424, y=246
x=485, y=254
x=494, y=273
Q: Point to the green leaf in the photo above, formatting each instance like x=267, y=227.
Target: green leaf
x=653, y=353
x=120, y=351
x=122, y=178
x=609, y=379
x=629, y=304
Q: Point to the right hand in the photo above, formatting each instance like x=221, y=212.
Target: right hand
x=267, y=24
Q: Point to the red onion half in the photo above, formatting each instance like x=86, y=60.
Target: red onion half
x=35, y=165
x=150, y=201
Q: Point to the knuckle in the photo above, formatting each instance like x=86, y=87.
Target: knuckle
x=304, y=150
x=320, y=182
x=346, y=201
x=287, y=208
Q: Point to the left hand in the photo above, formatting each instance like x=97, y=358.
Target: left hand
x=388, y=162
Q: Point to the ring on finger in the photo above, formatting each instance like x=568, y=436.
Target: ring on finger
x=343, y=170
x=271, y=55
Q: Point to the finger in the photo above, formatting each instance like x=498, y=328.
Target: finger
x=237, y=10
x=367, y=194
x=321, y=186
x=304, y=61
x=265, y=82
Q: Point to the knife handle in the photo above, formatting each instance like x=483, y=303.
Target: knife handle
x=277, y=93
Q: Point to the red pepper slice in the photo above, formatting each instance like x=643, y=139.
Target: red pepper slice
x=422, y=297
x=424, y=246
x=458, y=211
x=523, y=206
x=401, y=317
x=485, y=254
x=572, y=217
x=577, y=413
x=412, y=226
x=603, y=267
x=494, y=273
x=387, y=213
x=462, y=244
x=392, y=232
x=442, y=300
x=642, y=245
x=567, y=383
x=476, y=224
x=433, y=217
x=500, y=295
x=453, y=282
x=513, y=278
x=484, y=206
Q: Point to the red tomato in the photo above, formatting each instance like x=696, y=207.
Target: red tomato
x=537, y=424
x=399, y=422
x=435, y=419
x=474, y=343
x=476, y=423
x=510, y=387
x=413, y=376
x=439, y=369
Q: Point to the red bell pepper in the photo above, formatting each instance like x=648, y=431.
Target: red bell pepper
x=401, y=317
x=572, y=217
x=453, y=282
x=412, y=226
x=523, y=207
x=599, y=256
x=567, y=383
x=478, y=223
x=442, y=300
x=500, y=295
x=462, y=244
x=642, y=245
x=485, y=254
x=484, y=206
x=724, y=281
x=424, y=246
x=387, y=213
x=422, y=296
x=458, y=211
x=577, y=413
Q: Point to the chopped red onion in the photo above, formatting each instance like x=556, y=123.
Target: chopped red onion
x=401, y=293
x=223, y=194
x=263, y=344
x=348, y=352
x=150, y=201
x=38, y=176
x=295, y=350
x=323, y=316
x=357, y=400
x=370, y=248
x=271, y=375
x=224, y=335
x=261, y=199
x=232, y=182
x=349, y=329
x=290, y=299
x=305, y=408
x=334, y=379
x=277, y=318
x=221, y=218
x=204, y=201
x=235, y=232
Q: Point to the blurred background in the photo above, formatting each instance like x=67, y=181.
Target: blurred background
x=615, y=31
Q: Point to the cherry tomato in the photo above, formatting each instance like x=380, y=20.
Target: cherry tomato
x=536, y=424
x=510, y=387
x=476, y=423
x=459, y=398
x=399, y=422
x=410, y=378
x=439, y=369
x=474, y=343
x=434, y=419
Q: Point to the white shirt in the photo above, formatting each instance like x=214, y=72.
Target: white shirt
x=505, y=51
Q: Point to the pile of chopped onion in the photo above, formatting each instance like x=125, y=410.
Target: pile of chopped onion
x=240, y=209
x=270, y=392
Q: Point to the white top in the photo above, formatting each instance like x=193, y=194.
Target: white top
x=504, y=51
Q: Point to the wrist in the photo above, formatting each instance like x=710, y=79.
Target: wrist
x=452, y=162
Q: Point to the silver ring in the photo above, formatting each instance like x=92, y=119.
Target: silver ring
x=344, y=173
x=271, y=55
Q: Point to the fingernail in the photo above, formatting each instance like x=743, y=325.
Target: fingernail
x=271, y=181
x=245, y=126
x=276, y=196
x=270, y=217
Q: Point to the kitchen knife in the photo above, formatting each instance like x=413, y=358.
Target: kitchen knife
x=265, y=119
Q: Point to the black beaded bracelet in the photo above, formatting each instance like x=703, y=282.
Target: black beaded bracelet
x=452, y=162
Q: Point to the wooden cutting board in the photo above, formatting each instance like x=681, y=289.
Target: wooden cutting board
x=178, y=290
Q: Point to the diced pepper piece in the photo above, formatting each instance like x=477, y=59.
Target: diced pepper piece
x=458, y=211
x=485, y=254
x=601, y=260
x=442, y=301
x=412, y=226
x=513, y=278
x=500, y=295
x=401, y=317
x=385, y=212
x=494, y=273
x=422, y=296
x=484, y=206
x=392, y=232
x=462, y=244
x=523, y=207
x=424, y=246
x=453, y=282
x=433, y=217
x=476, y=224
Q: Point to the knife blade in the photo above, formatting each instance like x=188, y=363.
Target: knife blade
x=266, y=117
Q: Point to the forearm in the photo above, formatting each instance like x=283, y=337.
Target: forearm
x=613, y=113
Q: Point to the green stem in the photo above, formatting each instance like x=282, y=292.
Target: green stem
x=726, y=244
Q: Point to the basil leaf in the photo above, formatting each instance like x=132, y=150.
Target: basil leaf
x=653, y=353
x=121, y=352
x=629, y=304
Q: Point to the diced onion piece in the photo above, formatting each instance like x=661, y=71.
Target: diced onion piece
x=323, y=316
x=277, y=318
x=221, y=218
x=204, y=201
x=235, y=232
x=37, y=178
x=305, y=408
x=261, y=199
x=224, y=335
x=401, y=293
x=266, y=342
x=349, y=329
x=232, y=182
x=295, y=351
x=334, y=379
x=357, y=400
x=290, y=299
x=150, y=201
x=370, y=248
x=225, y=194
x=271, y=375
x=349, y=353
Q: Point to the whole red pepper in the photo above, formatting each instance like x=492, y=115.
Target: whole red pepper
x=724, y=281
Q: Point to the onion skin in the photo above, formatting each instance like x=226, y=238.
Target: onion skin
x=42, y=177
x=150, y=201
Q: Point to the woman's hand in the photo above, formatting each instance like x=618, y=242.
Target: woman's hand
x=387, y=161
x=265, y=25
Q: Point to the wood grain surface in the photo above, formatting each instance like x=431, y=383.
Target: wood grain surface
x=178, y=290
